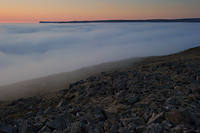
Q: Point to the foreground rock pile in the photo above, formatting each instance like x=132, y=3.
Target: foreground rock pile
x=158, y=97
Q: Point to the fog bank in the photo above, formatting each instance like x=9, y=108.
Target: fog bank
x=30, y=51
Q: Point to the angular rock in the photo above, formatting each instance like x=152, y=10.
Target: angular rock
x=157, y=118
x=133, y=99
x=44, y=129
x=7, y=130
x=120, y=94
x=141, y=128
x=177, y=88
x=167, y=124
x=99, y=126
x=113, y=129
x=76, y=83
x=107, y=125
x=179, y=116
x=78, y=127
x=90, y=130
x=70, y=96
x=100, y=113
x=64, y=91
x=49, y=110
x=155, y=128
x=134, y=89
x=28, y=115
x=125, y=122
x=25, y=128
x=62, y=103
x=146, y=116
x=132, y=126
x=120, y=83
x=61, y=122
x=172, y=100
x=194, y=87
x=76, y=110
x=178, y=129
x=125, y=130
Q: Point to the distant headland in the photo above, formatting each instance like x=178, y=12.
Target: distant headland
x=188, y=20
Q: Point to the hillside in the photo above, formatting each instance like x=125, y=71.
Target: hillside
x=60, y=81
x=154, y=94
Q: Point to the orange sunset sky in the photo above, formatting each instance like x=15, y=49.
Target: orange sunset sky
x=33, y=11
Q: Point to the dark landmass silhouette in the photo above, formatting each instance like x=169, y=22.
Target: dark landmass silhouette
x=189, y=20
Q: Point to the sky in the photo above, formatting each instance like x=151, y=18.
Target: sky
x=33, y=11
x=30, y=51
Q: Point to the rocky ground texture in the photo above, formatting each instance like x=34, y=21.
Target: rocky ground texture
x=158, y=95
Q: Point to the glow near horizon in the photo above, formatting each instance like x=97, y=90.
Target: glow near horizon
x=32, y=11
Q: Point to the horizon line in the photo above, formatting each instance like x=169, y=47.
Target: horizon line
x=128, y=20
x=101, y=20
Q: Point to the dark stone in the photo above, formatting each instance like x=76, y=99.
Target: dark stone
x=120, y=94
x=141, y=129
x=76, y=83
x=62, y=103
x=78, y=127
x=99, y=126
x=100, y=113
x=107, y=125
x=45, y=129
x=7, y=130
x=25, y=128
x=156, y=118
x=28, y=115
x=172, y=100
x=178, y=129
x=132, y=126
x=133, y=99
x=194, y=87
x=113, y=129
x=120, y=83
x=91, y=130
x=12, y=103
x=49, y=110
x=166, y=87
x=167, y=124
x=64, y=91
x=61, y=122
x=155, y=128
x=179, y=116
x=126, y=130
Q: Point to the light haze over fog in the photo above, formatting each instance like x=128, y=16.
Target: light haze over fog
x=30, y=51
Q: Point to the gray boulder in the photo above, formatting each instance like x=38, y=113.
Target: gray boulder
x=61, y=122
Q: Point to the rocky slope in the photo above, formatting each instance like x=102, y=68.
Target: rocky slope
x=60, y=81
x=159, y=94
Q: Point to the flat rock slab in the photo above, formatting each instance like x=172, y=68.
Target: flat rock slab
x=178, y=116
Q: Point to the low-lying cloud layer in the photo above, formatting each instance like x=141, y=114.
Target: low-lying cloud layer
x=33, y=50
